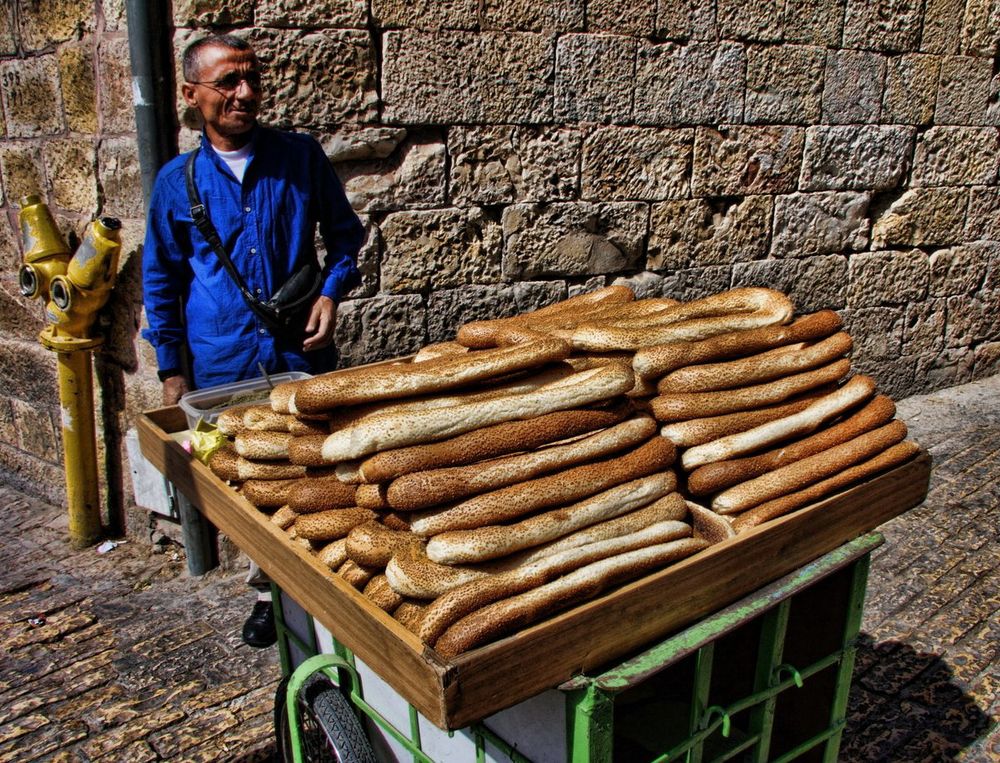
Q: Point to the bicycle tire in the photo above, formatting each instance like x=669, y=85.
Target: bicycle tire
x=329, y=729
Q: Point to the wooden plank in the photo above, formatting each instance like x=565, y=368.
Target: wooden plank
x=592, y=634
x=393, y=652
x=501, y=674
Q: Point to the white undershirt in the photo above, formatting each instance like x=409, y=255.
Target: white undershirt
x=235, y=160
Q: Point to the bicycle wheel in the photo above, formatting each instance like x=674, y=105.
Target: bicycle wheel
x=329, y=730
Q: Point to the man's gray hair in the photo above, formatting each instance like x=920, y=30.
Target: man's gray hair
x=192, y=53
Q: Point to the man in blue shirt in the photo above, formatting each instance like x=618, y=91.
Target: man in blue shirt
x=264, y=192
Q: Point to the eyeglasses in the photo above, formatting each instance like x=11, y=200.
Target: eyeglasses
x=231, y=82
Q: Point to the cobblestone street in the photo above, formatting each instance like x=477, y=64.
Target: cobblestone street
x=123, y=656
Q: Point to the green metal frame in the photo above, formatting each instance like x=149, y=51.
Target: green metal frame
x=591, y=699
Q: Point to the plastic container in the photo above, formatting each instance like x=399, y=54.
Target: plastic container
x=206, y=404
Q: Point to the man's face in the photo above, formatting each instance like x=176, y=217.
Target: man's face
x=225, y=94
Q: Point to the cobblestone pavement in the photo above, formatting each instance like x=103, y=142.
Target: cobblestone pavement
x=124, y=657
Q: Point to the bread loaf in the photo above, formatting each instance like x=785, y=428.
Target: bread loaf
x=412, y=574
x=223, y=463
x=332, y=523
x=380, y=592
x=284, y=517
x=267, y=494
x=334, y=553
x=263, y=446
x=267, y=470
x=372, y=544
x=312, y=494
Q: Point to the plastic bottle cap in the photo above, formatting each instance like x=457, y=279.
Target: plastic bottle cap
x=111, y=223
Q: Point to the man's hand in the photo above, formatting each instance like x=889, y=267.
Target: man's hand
x=321, y=324
x=173, y=388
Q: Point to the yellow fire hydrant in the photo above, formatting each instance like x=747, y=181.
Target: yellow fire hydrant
x=74, y=289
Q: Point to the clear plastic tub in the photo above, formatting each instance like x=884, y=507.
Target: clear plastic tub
x=206, y=404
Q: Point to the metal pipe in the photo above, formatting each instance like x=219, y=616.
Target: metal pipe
x=76, y=395
x=152, y=86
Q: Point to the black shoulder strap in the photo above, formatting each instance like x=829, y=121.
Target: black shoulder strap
x=211, y=235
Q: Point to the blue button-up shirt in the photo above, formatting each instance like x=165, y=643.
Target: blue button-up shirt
x=267, y=224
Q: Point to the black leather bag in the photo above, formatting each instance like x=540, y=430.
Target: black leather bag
x=287, y=309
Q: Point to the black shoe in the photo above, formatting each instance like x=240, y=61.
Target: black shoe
x=258, y=630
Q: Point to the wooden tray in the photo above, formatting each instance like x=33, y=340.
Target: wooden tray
x=453, y=694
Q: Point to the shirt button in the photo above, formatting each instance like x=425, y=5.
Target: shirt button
x=258, y=291
x=253, y=251
x=246, y=209
x=261, y=331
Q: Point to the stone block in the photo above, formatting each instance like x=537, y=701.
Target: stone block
x=910, y=89
x=887, y=278
x=689, y=84
x=426, y=14
x=360, y=143
x=922, y=217
x=971, y=319
x=986, y=360
x=317, y=78
x=961, y=269
x=209, y=13
x=21, y=318
x=470, y=78
x=784, y=84
x=369, y=260
x=501, y=164
x=924, y=325
x=887, y=25
x=33, y=476
x=686, y=235
x=694, y=283
x=636, y=18
x=413, y=177
x=855, y=157
x=956, y=156
x=32, y=103
x=963, y=90
x=117, y=111
x=8, y=45
x=980, y=28
x=54, y=21
x=812, y=283
x=738, y=160
x=114, y=15
x=76, y=74
x=8, y=433
x=831, y=222
x=555, y=16
x=449, y=309
x=636, y=164
x=949, y=368
x=72, y=165
x=754, y=20
x=439, y=249
x=380, y=328
x=877, y=332
x=35, y=431
x=643, y=285
x=120, y=177
x=812, y=23
x=686, y=20
x=942, y=31
x=853, y=87
x=983, y=221
x=29, y=372
x=594, y=78
x=311, y=13
x=572, y=239
x=10, y=246
x=23, y=170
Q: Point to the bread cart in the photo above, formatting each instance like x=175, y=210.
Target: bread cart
x=736, y=630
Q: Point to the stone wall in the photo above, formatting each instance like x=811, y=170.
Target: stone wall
x=505, y=153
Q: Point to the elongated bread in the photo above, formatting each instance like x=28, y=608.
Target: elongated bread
x=718, y=476
x=281, y=395
x=263, y=446
x=455, y=603
x=733, y=310
x=267, y=494
x=713, y=527
x=701, y=430
x=801, y=474
x=312, y=494
x=302, y=428
x=431, y=488
x=495, y=541
x=653, y=362
x=334, y=553
x=439, y=349
x=854, y=392
x=409, y=613
x=267, y=470
x=263, y=418
x=223, y=463
x=356, y=575
x=385, y=432
x=756, y=369
x=412, y=574
x=380, y=592
x=514, y=613
x=307, y=450
x=284, y=517
x=687, y=405
x=495, y=440
x=372, y=496
x=332, y=523
x=510, y=503
x=894, y=456
x=327, y=391
x=372, y=544
x=230, y=421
